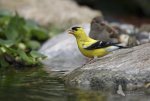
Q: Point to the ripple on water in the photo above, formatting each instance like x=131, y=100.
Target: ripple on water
x=37, y=85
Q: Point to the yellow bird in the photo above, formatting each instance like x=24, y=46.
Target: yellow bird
x=92, y=48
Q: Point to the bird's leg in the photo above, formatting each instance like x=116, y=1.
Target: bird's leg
x=93, y=60
x=87, y=61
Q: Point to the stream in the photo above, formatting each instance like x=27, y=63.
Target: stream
x=37, y=85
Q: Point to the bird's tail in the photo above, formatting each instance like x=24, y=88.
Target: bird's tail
x=115, y=47
x=120, y=46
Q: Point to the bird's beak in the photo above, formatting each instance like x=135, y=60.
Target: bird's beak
x=70, y=32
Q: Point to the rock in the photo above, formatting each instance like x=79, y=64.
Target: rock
x=60, y=13
x=123, y=33
x=143, y=35
x=128, y=69
x=145, y=27
x=63, y=53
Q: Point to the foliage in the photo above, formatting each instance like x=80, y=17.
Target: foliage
x=19, y=40
x=54, y=30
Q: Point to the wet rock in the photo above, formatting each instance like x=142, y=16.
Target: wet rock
x=128, y=69
x=62, y=52
x=60, y=13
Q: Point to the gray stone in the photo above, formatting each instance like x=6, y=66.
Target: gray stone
x=62, y=52
x=128, y=68
x=60, y=13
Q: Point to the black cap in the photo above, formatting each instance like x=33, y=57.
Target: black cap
x=75, y=28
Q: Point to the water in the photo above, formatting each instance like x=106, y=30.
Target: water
x=31, y=85
x=37, y=85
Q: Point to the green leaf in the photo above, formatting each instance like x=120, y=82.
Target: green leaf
x=14, y=28
x=4, y=21
x=30, y=24
x=33, y=44
x=36, y=54
x=25, y=57
x=35, y=31
x=11, y=34
x=39, y=34
x=6, y=43
x=11, y=51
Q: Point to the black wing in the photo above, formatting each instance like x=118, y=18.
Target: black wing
x=100, y=44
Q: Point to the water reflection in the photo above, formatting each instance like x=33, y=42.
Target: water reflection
x=31, y=85
x=37, y=85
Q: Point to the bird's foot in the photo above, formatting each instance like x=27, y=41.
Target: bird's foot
x=92, y=61
x=89, y=61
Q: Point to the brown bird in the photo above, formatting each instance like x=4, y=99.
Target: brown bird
x=102, y=30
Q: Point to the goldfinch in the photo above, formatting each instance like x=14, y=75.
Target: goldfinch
x=92, y=48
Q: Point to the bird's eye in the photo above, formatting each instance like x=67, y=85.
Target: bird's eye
x=75, y=28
